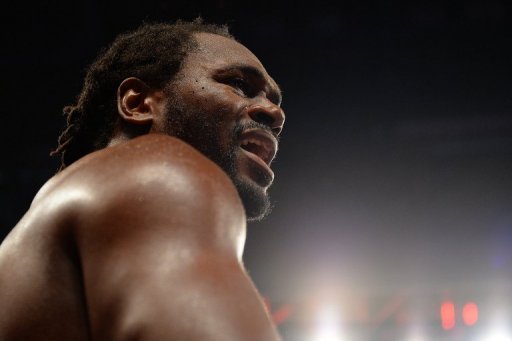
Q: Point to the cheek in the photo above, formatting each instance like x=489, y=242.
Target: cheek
x=216, y=99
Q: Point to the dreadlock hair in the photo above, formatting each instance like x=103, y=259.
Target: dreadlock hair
x=153, y=53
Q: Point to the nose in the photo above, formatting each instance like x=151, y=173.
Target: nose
x=269, y=114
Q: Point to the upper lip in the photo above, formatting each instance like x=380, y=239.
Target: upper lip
x=265, y=141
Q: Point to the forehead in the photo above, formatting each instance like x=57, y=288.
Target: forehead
x=218, y=52
x=220, y=48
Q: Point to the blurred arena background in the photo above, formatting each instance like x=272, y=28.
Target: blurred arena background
x=393, y=192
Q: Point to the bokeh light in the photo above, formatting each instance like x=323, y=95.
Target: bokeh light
x=328, y=326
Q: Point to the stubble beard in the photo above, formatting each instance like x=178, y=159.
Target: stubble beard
x=202, y=132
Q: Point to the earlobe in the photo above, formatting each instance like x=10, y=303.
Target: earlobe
x=134, y=103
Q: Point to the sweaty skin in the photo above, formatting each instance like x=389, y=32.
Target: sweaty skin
x=143, y=240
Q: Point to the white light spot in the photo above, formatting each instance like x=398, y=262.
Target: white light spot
x=328, y=326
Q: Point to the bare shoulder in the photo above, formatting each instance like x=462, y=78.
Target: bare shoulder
x=150, y=159
x=151, y=181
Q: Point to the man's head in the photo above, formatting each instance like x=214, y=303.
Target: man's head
x=191, y=81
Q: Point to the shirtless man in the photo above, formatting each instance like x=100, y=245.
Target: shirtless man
x=140, y=234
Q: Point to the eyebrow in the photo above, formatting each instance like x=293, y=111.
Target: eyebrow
x=275, y=94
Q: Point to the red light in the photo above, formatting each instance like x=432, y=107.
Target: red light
x=282, y=314
x=470, y=314
x=447, y=315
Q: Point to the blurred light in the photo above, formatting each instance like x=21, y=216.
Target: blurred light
x=498, y=334
x=328, y=333
x=417, y=338
x=416, y=334
x=499, y=326
x=447, y=315
x=282, y=314
x=328, y=326
x=470, y=314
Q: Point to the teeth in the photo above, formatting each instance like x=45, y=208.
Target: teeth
x=264, y=148
x=256, y=142
x=246, y=142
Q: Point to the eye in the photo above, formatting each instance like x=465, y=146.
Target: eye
x=241, y=86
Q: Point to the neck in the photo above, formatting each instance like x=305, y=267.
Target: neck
x=127, y=133
x=117, y=139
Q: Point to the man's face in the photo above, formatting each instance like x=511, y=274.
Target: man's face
x=225, y=104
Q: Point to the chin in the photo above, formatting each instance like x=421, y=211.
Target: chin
x=254, y=198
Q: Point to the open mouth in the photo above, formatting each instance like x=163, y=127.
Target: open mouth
x=259, y=143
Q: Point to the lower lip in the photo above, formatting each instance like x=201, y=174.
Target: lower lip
x=259, y=161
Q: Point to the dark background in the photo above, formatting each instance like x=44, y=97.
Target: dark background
x=394, y=175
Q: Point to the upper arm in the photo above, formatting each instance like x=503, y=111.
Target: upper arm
x=160, y=255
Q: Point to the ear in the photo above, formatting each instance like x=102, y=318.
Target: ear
x=138, y=103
